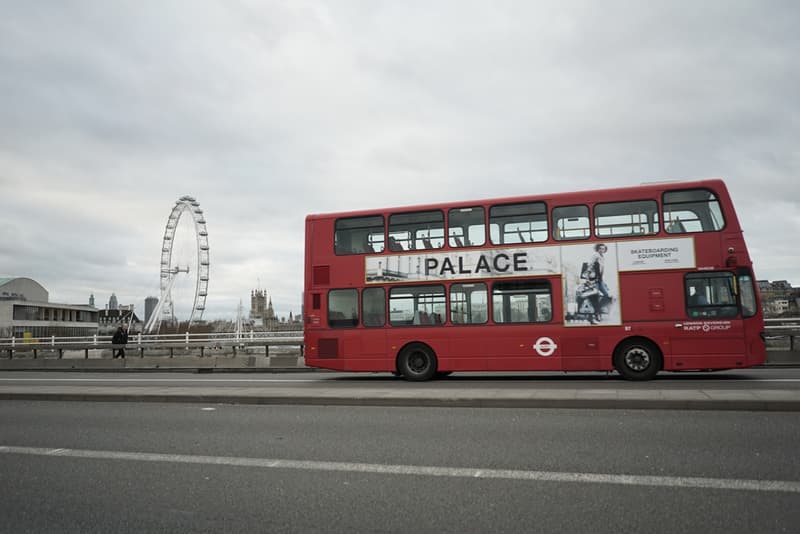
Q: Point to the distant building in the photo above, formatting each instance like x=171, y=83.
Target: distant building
x=262, y=315
x=112, y=302
x=25, y=312
x=779, y=298
x=109, y=320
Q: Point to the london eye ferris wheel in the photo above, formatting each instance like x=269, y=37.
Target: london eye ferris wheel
x=184, y=268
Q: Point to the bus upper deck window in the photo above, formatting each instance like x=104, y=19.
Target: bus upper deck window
x=466, y=227
x=518, y=223
x=419, y=230
x=630, y=218
x=359, y=235
x=570, y=222
x=691, y=211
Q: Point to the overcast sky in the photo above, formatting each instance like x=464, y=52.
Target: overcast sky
x=266, y=111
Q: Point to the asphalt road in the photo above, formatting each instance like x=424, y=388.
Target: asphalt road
x=129, y=467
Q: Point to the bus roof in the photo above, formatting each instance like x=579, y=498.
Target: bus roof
x=588, y=196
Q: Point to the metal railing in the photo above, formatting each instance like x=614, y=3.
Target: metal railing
x=783, y=327
x=783, y=322
x=141, y=342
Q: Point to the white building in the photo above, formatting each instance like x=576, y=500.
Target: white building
x=25, y=312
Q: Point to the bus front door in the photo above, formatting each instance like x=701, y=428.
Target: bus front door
x=712, y=335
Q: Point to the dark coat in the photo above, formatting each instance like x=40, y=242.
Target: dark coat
x=120, y=337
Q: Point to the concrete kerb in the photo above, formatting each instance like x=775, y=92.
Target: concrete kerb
x=281, y=362
x=766, y=400
x=253, y=363
x=554, y=402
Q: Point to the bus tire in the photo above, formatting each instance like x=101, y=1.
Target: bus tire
x=638, y=359
x=417, y=362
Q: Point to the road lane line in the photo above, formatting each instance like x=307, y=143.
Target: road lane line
x=735, y=484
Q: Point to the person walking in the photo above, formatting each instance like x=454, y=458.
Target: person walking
x=119, y=340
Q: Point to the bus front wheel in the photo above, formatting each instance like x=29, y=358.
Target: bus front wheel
x=417, y=362
x=638, y=359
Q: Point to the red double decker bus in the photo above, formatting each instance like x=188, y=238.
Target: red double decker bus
x=637, y=280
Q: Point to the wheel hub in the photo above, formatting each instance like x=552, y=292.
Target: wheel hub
x=417, y=362
x=637, y=359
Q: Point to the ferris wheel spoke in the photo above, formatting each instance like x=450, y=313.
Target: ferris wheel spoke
x=170, y=270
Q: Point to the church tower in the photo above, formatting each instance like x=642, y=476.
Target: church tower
x=258, y=301
x=269, y=318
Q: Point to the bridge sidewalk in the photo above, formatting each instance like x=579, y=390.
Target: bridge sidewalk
x=245, y=362
x=428, y=394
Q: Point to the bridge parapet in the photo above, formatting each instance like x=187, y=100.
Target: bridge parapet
x=165, y=345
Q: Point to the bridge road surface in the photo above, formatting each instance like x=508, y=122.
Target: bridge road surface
x=180, y=467
x=767, y=389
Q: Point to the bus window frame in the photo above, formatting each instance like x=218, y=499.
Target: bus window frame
x=349, y=250
x=672, y=225
x=466, y=241
x=533, y=217
x=413, y=239
x=416, y=315
x=365, y=315
x=652, y=227
x=468, y=302
x=587, y=229
x=711, y=309
x=752, y=293
x=543, y=283
x=344, y=322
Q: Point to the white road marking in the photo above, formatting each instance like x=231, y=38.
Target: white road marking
x=734, y=484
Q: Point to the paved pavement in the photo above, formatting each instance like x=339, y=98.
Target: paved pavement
x=523, y=395
x=428, y=394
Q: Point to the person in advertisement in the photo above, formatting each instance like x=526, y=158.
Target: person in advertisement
x=593, y=288
x=598, y=264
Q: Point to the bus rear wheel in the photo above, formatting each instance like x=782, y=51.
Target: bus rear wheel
x=638, y=359
x=417, y=362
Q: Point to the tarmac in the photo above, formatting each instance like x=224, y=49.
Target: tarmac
x=519, y=394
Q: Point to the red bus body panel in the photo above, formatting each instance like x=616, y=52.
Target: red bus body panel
x=652, y=305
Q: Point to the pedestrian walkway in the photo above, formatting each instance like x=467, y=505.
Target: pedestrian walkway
x=426, y=395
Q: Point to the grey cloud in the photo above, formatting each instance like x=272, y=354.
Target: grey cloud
x=268, y=111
